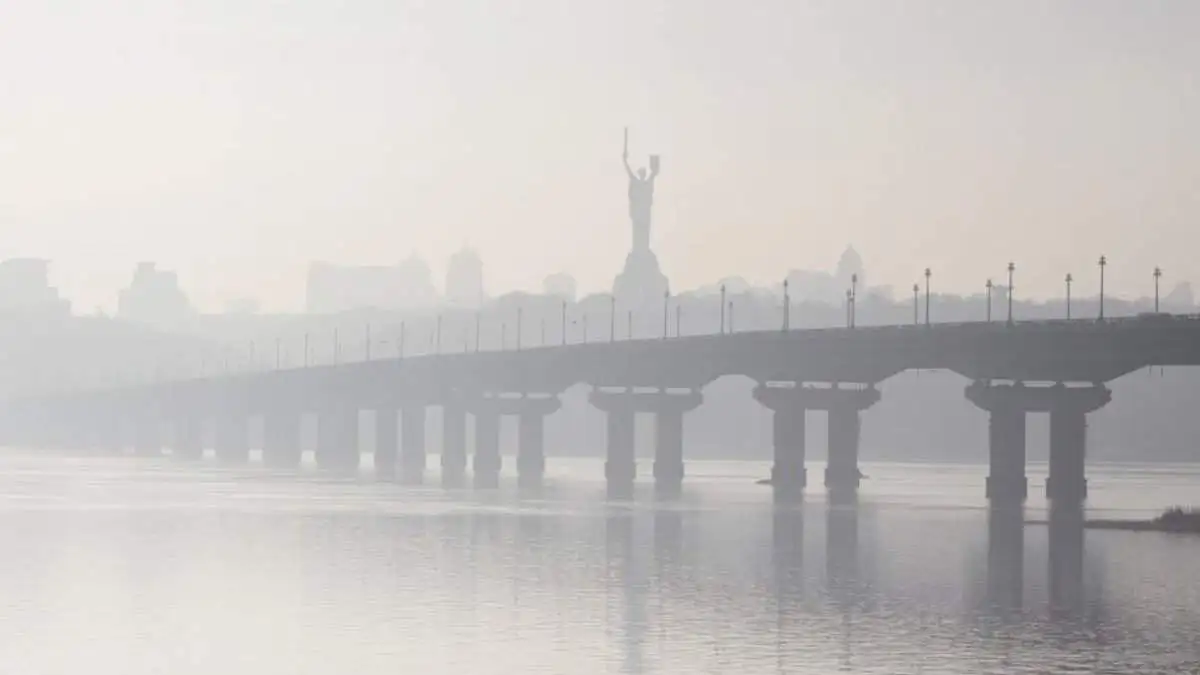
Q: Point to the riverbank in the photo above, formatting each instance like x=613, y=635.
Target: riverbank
x=1176, y=520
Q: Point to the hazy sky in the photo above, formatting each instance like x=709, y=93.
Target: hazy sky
x=236, y=140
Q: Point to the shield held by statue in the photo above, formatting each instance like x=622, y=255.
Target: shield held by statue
x=653, y=163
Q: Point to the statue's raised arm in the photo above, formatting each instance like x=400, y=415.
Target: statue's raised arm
x=625, y=155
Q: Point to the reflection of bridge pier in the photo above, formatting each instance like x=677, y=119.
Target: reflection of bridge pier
x=842, y=406
x=1066, y=543
x=621, y=555
x=1006, y=556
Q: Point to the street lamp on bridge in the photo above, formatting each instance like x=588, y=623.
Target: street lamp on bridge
x=1069, y=280
x=988, y=286
x=612, y=318
x=928, y=273
x=666, y=312
x=787, y=307
x=1157, y=276
x=1011, y=268
x=1103, y=263
x=916, y=304
x=853, y=300
x=722, y=309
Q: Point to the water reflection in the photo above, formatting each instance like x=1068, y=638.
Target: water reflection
x=425, y=581
x=1006, y=558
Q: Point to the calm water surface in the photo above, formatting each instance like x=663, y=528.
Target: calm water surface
x=134, y=566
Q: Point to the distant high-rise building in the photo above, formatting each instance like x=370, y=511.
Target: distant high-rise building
x=25, y=286
x=336, y=288
x=154, y=296
x=560, y=284
x=464, y=279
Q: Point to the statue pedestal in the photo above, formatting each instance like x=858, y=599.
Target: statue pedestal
x=641, y=284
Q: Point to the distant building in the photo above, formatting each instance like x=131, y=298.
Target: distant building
x=561, y=285
x=337, y=288
x=25, y=287
x=242, y=306
x=464, y=279
x=849, y=265
x=154, y=296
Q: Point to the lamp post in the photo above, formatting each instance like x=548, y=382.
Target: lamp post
x=849, y=308
x=337, y=347
x=1069, y=279
x=853, y=300
x=666, y=310
x=477, y=323
x=1011, y=268
x=612, y=319
x=629, y=325
x=731, y=317
x=305, y=349
x=678, y=320
x=503, y=335
x=787, y=307
x=437, y=337
x=278, y=350
x=989, y=285
x=928, y=273
x=722, y=309
x=585, y=330
x=1103, y=263
x=916, y=305
x=1157, y=276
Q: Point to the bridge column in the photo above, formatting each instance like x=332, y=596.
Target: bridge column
x=620, y=463
x=531, y=433
x=843, y=406
x=1006, y=406
x=454, y=445
x=668, y=451
x=1067, y=482
x=147, y=438
x=787, y=405
x=232, y=438
x=412, y=444
x=281, y=439
x=387, y=442
x=487, y=460
x=187, y=442
x=337, y=440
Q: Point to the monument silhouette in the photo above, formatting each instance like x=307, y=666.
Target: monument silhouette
x=641, y=282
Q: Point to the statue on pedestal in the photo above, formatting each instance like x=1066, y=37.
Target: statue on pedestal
x=640, y=282
x=641, y=198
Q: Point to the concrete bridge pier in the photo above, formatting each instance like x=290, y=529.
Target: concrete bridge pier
x=843, y=407
x=487, y=463
x=531, y=439
x=788, y=408
x=412, y=444
x=232, y=439
x=454, y=445
x=1069, y=406
x=1006, y=406
x=337, y=440
x=620, y=462
x=387, y=442
x=147, y=437
x=281, y=440
x=187, y=440
x=668, y=432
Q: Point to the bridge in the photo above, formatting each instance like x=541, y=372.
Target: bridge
x=1055, y=367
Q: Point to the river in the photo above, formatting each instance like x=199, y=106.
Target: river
x=128, y=566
